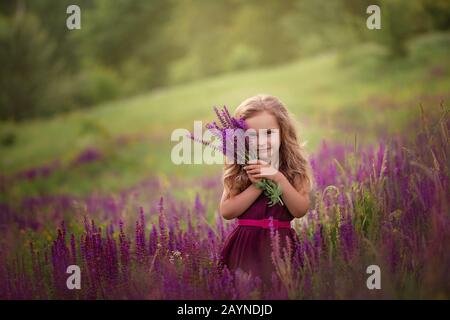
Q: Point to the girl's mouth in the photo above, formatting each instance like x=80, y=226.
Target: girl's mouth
x=264, y=154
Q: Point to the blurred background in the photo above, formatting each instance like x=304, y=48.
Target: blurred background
x=86, y=117
x=91, y=110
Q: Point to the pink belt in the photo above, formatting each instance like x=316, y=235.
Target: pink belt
x=264, y=223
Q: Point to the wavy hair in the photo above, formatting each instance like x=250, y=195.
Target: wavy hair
x=294, y=162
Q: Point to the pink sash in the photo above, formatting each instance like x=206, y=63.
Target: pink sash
x=264, y=223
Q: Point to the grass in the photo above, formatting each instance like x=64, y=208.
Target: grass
x=334, y=96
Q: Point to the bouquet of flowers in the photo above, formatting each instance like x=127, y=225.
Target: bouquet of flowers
x=229, y=132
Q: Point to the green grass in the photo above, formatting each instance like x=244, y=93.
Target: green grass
x=334, y=96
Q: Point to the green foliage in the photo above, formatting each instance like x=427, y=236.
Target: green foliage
x=271, y=190
x=95, y=85
x=26, y=60
x=402, y=20
x=126, y=47
x=364, y=97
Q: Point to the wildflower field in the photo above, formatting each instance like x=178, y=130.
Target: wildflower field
x=94, y=189
x=387, y=205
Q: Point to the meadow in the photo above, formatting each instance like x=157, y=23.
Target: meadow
x=96, y=187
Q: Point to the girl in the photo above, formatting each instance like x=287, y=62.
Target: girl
x=248, y=246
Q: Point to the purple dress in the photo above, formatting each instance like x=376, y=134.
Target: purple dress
x=249, y=247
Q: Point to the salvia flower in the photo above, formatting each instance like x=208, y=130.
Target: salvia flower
x=233, y=143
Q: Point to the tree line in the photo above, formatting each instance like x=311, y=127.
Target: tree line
x=126, y=47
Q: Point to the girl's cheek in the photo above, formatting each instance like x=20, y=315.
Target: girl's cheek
x=270, y=152
x=275, y=151
x=275, y=143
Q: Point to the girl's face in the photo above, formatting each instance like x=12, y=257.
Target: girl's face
x=268, y=135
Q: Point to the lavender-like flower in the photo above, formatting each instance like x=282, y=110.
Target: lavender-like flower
x=233, y=144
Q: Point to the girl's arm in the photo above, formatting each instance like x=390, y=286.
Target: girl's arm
x=233, y=206
x=296, y=199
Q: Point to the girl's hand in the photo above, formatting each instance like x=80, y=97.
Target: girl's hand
x=251, y=175
x=258, y=169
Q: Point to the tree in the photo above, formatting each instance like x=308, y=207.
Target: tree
x=27, y=67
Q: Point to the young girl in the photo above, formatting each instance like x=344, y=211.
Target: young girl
x=248, y=246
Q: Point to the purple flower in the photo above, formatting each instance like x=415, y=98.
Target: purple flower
x=87, y=156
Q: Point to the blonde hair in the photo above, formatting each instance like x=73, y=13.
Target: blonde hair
x=294, y=162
